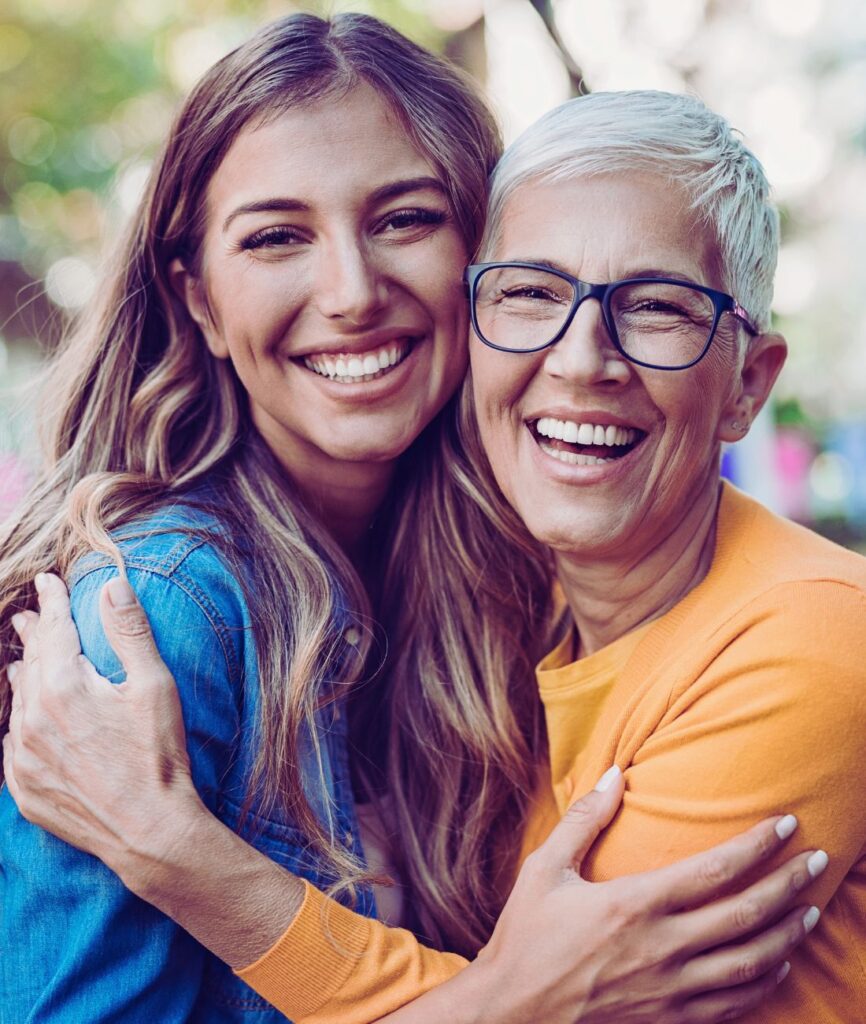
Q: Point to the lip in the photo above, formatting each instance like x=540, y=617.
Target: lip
x=370, y=390
x=574, y=475
x=598, y=416
x=357, y=344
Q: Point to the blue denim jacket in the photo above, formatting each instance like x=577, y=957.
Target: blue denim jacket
x=76, y=947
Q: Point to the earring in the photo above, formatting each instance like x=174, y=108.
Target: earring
x=739, y=427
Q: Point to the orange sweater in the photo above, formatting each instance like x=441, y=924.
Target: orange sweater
x=746, y=699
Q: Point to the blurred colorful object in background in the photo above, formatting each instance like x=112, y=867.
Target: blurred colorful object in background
x=87, y=88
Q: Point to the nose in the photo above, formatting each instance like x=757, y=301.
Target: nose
x=349, y=285
x=585, y=355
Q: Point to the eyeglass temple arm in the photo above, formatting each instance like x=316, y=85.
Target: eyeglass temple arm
x=741, y=314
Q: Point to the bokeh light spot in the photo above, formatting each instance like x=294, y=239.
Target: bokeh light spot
x=31, y=140
x=70, y=282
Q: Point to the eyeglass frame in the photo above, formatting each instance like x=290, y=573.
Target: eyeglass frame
x=722, y=303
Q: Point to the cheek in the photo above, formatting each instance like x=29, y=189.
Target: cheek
x=500, y=381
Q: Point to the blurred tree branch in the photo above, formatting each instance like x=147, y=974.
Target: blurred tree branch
x=544, y=9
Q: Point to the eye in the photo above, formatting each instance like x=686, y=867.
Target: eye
x=410, y=221
x=271, y=238
x=531, y=292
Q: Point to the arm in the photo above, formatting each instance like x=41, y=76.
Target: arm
x=775, y=721
x=600, y=962
x=93, y=951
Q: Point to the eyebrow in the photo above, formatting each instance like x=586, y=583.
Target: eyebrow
x=641, y=272
x=392, y=190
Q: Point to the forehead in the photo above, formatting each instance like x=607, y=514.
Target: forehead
x=344, y=145
x=609, y=226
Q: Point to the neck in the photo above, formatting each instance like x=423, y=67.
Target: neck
x=344, y=495
x=612, y=597
x=347, y=506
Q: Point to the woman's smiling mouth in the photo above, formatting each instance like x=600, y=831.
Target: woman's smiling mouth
x=359, y=367
x=584, y=443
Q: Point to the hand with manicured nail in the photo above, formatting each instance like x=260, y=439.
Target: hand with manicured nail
x=672, y=945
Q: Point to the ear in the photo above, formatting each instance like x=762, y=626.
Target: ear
x=190, y=291
x=764, y=358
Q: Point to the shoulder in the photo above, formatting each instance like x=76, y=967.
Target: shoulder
x=780, y=621
x=176, y=562
x=758, y=550
x=179, y=550
x=788, y=593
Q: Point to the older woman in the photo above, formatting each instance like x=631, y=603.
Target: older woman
x=716, y=652
x=708, y=644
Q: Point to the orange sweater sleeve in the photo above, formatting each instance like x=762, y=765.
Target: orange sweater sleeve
x=332, y=966
x=773, y=721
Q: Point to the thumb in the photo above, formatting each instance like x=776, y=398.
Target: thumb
x=128, y=630
x=579, y=827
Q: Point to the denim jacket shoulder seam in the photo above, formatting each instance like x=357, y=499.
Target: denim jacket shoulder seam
x=186, y=583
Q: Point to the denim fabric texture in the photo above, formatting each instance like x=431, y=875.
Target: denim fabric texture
x=76, y=947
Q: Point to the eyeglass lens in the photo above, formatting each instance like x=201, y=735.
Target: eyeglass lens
x=665, y=325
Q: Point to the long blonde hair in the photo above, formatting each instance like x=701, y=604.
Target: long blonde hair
x=139, y=414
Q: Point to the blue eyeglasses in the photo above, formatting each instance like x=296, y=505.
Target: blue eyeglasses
x=659, y=322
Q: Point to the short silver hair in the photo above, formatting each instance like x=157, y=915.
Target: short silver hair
x=676, y=136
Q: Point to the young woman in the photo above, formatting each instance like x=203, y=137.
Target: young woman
x=255, y=429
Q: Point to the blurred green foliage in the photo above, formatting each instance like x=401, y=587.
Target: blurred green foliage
x=87, y=89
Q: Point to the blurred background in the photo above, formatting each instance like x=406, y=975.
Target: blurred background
x=88, y=87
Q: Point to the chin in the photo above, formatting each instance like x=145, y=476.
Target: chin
x=570, y=534
x=372, y=450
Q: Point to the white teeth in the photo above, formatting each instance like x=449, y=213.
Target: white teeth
x=350, y=368
x=585, y=433
x=574, y=458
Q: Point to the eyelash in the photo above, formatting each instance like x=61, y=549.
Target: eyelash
x=276, y=236
x=419, y=215
x=269, y=236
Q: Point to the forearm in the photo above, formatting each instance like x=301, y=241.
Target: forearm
x=463, y=999
x=233, y=899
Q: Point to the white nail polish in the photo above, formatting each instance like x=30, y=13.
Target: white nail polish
x=810, y=918
x=608, y=779
x=817, y=862
x=783, y=972
x=785, y=826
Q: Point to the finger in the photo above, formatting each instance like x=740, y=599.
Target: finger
x=756, y=907
x=729, y=1004
x=577, y=830
x=16, y=710
x=706, y=875
x=59, y=645
x=9, y=766
x=24, y=623
x=14, y=675
x=128, y=631
x=748, y=961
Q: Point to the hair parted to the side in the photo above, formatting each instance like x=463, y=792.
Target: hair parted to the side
x=676, y=136
x=138, y=413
